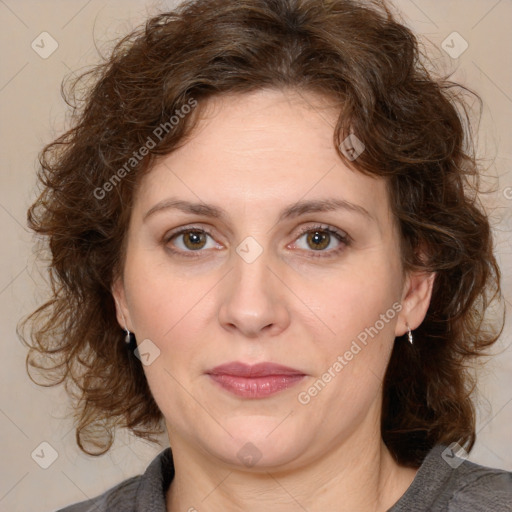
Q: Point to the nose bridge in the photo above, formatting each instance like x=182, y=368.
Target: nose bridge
x=251, y=274
x=251, y=265
x=252, y=302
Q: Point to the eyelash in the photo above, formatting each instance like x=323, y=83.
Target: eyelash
x=339, y=235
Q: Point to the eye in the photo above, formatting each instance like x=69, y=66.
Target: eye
x=319, y=237
x=190, y=240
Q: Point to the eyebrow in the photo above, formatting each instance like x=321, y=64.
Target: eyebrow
x=295, y=210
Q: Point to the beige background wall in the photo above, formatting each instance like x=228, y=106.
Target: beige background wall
x=32, y=113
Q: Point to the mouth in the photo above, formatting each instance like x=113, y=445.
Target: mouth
x=255, y=381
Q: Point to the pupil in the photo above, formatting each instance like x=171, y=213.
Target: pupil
x=194, y=238
x=319, y=239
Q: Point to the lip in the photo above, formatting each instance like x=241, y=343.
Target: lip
x=255, y=381
x=265, y=369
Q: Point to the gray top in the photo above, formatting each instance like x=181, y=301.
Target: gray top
x=443, y=483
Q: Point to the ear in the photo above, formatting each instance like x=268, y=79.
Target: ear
x=416, y=295
x=122, y=312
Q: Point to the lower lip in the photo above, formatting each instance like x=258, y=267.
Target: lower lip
x=256, y=387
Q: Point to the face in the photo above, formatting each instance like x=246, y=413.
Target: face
x=233, y=260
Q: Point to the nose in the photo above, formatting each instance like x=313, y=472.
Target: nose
x=254, y=298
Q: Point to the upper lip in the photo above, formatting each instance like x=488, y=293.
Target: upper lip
x=239, y=369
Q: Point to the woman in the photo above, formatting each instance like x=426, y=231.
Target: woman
x=264, y=240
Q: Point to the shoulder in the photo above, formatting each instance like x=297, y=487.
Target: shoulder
x=446, y=482
x=479, y=489
x=141, y=493
x=118, y=498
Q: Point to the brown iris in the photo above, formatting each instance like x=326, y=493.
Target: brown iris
x=317, y=238
x=194, y=239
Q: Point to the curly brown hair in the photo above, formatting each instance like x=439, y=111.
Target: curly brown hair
x=416, y=131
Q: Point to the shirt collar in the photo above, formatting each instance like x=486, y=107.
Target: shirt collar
x=151, y=493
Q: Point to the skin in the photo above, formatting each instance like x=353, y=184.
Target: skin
x=253, y=155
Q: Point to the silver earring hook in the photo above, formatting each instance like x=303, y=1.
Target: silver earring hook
x=128, y=336
x=409, y=334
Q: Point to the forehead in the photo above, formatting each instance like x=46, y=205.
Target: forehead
x=262, y=150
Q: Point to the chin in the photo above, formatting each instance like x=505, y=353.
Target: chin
x=258, y=443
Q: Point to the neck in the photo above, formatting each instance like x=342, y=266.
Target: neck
x=356, y=475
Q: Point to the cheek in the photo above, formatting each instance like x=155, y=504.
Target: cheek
x=358, y=298
x=361, y=312
x=162, y=301
x=165, y=307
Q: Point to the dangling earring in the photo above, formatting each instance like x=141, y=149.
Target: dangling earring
x=129, y=337
x=409, y=333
